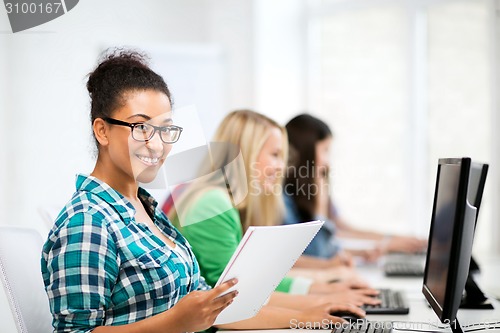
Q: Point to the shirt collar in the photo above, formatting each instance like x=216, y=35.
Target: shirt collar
x=114, y=198
x=123, y=206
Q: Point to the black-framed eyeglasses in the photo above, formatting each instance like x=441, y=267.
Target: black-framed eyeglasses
x=144, y=132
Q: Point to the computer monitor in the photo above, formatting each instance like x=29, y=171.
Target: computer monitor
x=450, y=240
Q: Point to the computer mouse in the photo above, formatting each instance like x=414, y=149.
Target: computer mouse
x=348, y=316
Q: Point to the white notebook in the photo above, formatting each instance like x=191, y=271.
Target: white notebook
x=262, y=259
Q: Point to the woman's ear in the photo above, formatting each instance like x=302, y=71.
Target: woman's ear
x=100, y=131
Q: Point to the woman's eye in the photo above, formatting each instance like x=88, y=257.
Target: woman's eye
x=142, y=127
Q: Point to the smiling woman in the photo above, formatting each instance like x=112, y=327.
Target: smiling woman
x=113, y=262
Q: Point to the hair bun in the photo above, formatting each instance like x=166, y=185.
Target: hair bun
x=112, y=60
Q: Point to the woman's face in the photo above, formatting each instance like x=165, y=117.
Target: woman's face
x=140, y=160
x=322, y=151
x=270, y=162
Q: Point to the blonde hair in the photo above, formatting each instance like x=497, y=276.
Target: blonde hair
x=249, y=131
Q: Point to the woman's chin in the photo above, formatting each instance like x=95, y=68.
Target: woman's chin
x=147, y=176
x=271, y=188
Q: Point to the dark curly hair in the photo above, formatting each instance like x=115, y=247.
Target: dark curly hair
x=120, y=71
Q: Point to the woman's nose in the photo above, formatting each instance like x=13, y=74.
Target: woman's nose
x=155, y=143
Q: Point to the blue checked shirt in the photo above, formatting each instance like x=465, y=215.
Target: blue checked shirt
x=102, y=267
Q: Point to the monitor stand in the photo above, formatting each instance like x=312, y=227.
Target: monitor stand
x=474, y=298
x=474, y=267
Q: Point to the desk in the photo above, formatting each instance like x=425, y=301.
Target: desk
x=490, y=272
x=420, y=312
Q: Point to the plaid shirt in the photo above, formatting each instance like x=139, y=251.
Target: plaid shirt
x=102, y=267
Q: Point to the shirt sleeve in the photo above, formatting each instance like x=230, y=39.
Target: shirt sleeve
x=213, y=239
x=79, y=267
x=285, y=285
x=202, y=284
x=300, y=285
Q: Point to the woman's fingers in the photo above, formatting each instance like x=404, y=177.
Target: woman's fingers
x=357, y=311
x=368, y=291
x=222, y=288
x=358, y=285
x=221, y=299
x=371, y=300
x=222, y=304
x=224, y=300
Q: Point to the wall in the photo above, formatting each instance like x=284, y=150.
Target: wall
x=231, y=25
x=280, y=58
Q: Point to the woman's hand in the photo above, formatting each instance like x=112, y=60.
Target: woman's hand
x=368, y=255
x=342, y=294
x=404, y=244
x=341, y=259
x=356, y=297
x=339, y=286
x=205, y=305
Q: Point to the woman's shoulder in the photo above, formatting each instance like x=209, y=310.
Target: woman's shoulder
x=213, y=198
x=292, y=215
x=211, y=205
x=85, y=207
x=84, y=214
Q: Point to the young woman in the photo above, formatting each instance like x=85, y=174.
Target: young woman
x=113, y=262
x=310, y=140
x=241, y=187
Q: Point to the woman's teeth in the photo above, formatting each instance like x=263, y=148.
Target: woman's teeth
x=149, y=160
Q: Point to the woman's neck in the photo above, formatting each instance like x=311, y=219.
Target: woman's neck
x=117, y=179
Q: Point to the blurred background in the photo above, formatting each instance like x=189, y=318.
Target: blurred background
x=401, y=83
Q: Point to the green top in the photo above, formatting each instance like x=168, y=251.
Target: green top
x=213, y=228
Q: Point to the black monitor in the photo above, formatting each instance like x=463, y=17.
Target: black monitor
x=450, y=240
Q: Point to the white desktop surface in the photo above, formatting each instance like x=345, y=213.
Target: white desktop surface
x=490, y=273
x=420, y=312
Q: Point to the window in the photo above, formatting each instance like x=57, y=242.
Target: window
x=403, y=83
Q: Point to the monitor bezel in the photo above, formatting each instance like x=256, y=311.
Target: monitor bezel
x=447, y=311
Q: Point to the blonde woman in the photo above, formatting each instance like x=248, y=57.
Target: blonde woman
x=242, y=189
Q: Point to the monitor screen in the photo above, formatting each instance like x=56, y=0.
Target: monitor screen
x=450, y=239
